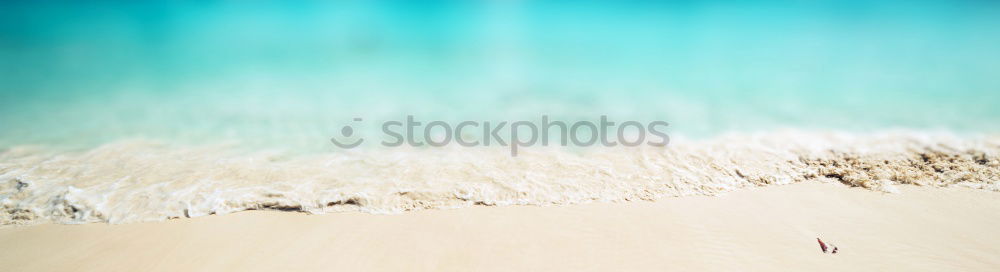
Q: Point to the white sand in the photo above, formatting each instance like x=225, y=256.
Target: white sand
x=771, y=228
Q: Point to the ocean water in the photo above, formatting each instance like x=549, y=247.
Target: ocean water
x=128, y=112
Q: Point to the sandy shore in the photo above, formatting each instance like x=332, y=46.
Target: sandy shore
x=770, y=228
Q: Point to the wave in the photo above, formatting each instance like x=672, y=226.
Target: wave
x=141, y=180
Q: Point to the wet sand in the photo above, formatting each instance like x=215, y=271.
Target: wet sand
x=760, y=229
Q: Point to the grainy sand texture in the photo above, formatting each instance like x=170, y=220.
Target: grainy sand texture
x=762, y=229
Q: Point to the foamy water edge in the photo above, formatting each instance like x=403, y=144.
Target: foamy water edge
x=138, y=180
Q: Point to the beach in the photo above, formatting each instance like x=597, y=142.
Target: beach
x=758, y=229
x=500, y=136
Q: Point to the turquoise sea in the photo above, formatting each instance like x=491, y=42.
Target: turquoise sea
x=220, y=106
x=292, y=74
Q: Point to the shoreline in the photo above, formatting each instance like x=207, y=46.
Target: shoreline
x=138, y=181
x=766, y=228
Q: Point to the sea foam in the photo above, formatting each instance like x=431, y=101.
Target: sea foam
x=141, y=180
